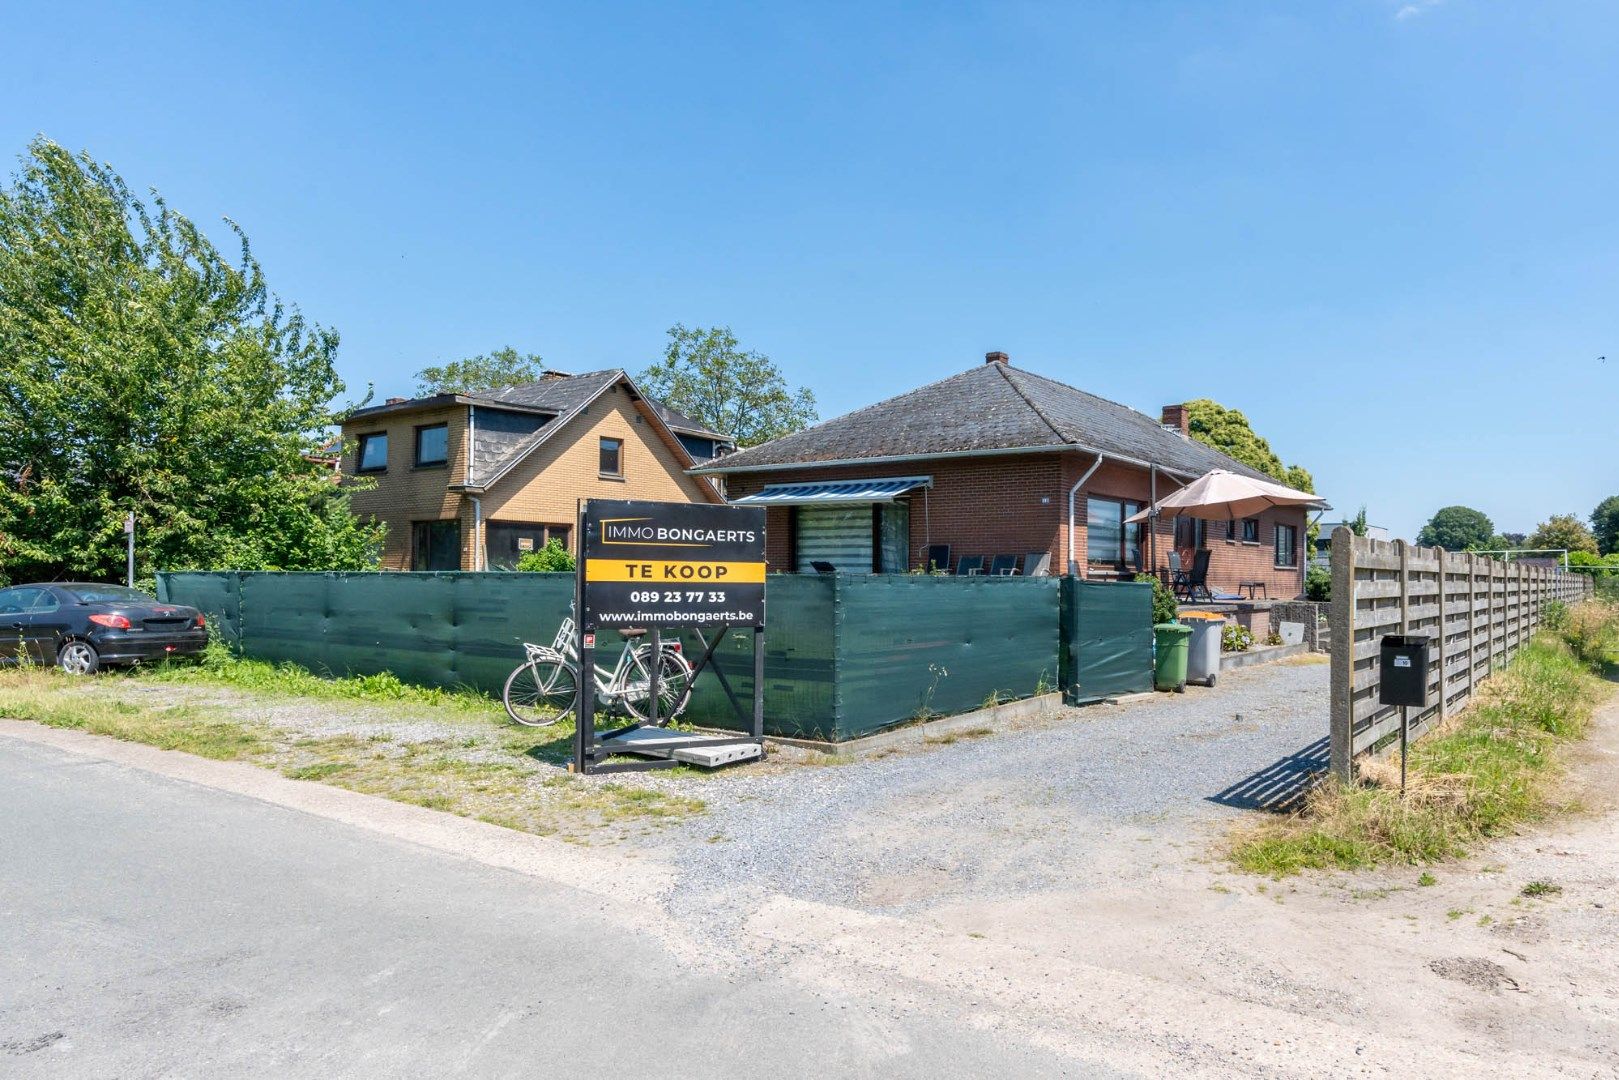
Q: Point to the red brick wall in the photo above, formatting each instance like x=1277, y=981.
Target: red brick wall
x=1018, y=504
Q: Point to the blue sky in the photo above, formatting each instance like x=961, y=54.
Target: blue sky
x=1386, y=230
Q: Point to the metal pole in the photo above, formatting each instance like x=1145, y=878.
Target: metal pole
x=129, y=540
x=1405, y=728
x=758, y=682
x=584, y=736
x=652, y=676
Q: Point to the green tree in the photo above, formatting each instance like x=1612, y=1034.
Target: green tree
x=1357, y=524
x=1583, y=562
x=141, y=370
x=551, y=558
x=706, y=374
x=1229, y=432
x=1563, y=531
x=1457, y=528
x=1605, y=525
x=502, y=367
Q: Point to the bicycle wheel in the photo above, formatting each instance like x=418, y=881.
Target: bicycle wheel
x=674, y=685
x=541, y=692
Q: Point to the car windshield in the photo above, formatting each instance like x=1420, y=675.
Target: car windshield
x=107, y=594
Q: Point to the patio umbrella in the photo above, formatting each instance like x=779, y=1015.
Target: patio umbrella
x=1220, y=496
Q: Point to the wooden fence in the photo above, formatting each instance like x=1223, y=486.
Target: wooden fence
x=1476, y=611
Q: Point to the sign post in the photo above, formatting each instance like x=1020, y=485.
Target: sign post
x=667, y=566
x=129, y=541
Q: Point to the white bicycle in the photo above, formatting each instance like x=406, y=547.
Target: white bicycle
x=545, y=687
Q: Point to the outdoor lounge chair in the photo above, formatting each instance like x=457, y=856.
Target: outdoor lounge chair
x=1189, y=584
x=1037, y=564
x=1003, y=566
x=1195, y=585
x=970, y=564
x=823, y=567
x=938, y=559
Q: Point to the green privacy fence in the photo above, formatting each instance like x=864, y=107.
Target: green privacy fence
x=845, y=655
x=1107, y=639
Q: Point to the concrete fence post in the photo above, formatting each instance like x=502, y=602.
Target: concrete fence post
x=1444, y=626
x=1341, y=624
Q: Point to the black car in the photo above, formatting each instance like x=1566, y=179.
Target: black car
x=82, y=627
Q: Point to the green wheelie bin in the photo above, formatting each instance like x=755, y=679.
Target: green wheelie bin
x=1172, y=643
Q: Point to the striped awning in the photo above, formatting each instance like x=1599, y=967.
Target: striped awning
x=835, y=491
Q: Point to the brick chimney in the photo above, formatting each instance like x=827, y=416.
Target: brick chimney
x=996, y=358
x=1175, y=419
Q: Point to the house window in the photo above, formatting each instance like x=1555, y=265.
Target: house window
x=612, y=457
x=373, y=453
x=1191, y=532
x=1287, y=545
x=505, y=542
x=433, y=444
x=1109, y=542
x=1250, y=530
x=435, y=545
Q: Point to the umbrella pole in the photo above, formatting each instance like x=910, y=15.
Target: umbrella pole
x=1152, y=522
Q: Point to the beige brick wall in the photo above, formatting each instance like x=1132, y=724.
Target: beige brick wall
x=545, y=488
x=405, y=493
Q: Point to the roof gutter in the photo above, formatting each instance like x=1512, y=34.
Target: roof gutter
x=1044, y=448
x=1073, y=566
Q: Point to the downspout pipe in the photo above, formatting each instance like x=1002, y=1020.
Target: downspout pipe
x=477, y=506
x=1073, y=565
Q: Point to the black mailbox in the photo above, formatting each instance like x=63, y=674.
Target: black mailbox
x=1404, y=676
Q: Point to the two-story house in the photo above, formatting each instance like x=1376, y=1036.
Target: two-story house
x=475, y=481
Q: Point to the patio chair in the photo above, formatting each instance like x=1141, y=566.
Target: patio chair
x=970, y=564
x=1003, y=566
x=823, y=567
x=1189, y=585
x=938, y=559
x=1037, y=564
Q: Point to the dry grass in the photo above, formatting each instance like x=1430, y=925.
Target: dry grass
x=1485, y=772
x=482, y=768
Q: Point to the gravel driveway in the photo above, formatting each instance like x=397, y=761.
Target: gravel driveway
x=1088, y=795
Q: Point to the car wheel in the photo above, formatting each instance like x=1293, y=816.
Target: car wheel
x=78, y=658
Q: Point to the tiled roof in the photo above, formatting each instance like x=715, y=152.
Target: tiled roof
x=989, y=407
x=558, y=394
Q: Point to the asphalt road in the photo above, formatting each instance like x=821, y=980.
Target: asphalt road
x=151, y=927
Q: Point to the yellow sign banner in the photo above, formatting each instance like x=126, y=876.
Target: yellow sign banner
x=661, y=572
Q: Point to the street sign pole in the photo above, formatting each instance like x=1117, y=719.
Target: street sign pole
x=129, y=538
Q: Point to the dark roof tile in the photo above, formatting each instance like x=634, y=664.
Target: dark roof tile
x=988, y=407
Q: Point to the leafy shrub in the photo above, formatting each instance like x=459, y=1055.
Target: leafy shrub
x=1592, y=631
x=551, y=558
x=1164, y=607
x=1236, y=638
x=1554, y=616
x=1318, y=584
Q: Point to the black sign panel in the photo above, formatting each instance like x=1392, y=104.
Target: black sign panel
x=672, y=564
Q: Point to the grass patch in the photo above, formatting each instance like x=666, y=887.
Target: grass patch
x=481, y=768
x=1540, y=888
x=220, y=666
x=950, y=737
x=46, y=696
x=1487, y=771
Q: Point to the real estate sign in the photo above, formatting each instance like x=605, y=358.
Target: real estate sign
x=671, y=564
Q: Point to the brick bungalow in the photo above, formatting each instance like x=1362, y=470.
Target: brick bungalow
x=1001, y=461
